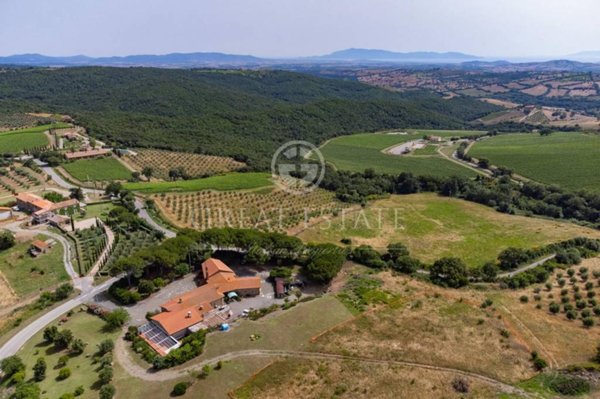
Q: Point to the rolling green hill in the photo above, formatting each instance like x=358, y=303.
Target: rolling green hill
x=566, y=159
x=362, y=151
x=246, y=114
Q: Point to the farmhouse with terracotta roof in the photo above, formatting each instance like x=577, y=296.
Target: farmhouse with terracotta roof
x=41, y=209
x=86, y=154
x=198, y=309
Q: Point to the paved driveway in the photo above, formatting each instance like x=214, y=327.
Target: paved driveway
x=173, y=290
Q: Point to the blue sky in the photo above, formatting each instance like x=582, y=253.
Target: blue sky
x=283, y=28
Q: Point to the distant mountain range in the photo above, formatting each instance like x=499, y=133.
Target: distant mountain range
x=174, y=60
x=355, y=56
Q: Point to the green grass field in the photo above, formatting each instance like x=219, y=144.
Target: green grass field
x=228, y=182
x=16, y=141
x=99, y=210
x=100, y=169
x=27, y=275
x=434, y=227
x=83, y=370
x=361, y=151
x=569, y=160
x=427, y=150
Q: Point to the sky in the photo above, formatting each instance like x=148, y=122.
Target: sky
x=289, y=28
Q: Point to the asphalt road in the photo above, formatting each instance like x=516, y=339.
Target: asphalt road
x=15, y=343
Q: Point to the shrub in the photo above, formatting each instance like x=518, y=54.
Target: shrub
x=11, y=365
x=588, y=322
x=105, y=375
x=179, y=389
x=107, y=392
x=50, y=334
x=26, y=390
x=62, y=361
x=460, y=385
x=67, y=395
x=571, y=315
x=117, y=318
x=105, y=347
x=63, y=339
x=554, y=307
x=580, y=304
x=64, y=373
x=78, y=346
x=79, y=391
x=568, y=385
x=39, y=369
x=146, y=287
x=524, y=299
x=449, y=272
x=488, y=302
x=538, y=363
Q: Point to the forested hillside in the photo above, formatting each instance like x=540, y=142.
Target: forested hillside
x=245, y=114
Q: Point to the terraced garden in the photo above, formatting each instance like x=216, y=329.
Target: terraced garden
x=90, y=244
x=270, y=209
x=125, y=244
x=194, y=165
x=565, y=159
x=361, y=151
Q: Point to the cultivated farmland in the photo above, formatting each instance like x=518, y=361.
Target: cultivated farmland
x=434, y=227
x=269, y=209
x=194, y=165
x=100, y=169
x=567, y=159
x=17, y=141
x=361, y=151
x=15, y=179
x=126, y=243
x=231, y=181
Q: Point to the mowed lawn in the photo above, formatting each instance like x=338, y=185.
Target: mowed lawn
x=100, y=169
x=361, y=151
x=434, y=227
x=26, y=274
x=569, y=160
x=25, y=139
x=83, y=369
x=228, y=182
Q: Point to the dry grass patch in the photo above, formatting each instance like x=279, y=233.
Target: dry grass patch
x=434, y=326
x=319, y=379
x=566, y=340
x=7, y=295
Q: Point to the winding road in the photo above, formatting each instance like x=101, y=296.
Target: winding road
x=143, y=213
x=20, y=338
